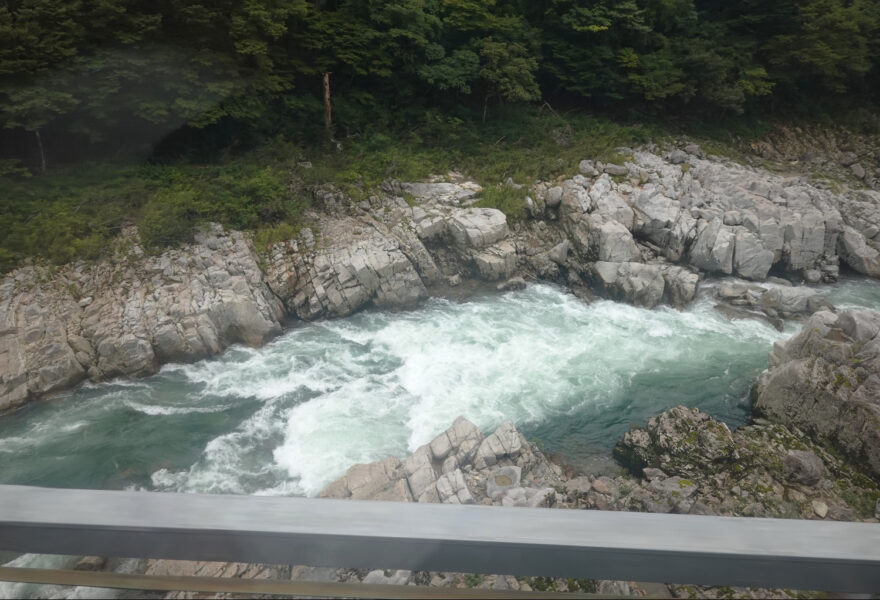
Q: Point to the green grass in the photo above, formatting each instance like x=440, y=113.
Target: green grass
x=507, y=199
x=73, y=213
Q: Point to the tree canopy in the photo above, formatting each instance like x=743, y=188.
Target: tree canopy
x=114, y=74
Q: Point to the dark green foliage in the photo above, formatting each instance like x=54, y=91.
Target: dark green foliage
x=74, y=214
x=120, y=75
x=418, y=86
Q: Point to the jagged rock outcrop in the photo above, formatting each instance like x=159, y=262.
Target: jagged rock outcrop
x=634, y=283
x=681, y=441
x=686, y=462
x=459, y=466
x=771, y=304
x=719, y=217
x=826, y=381
x=124, y=317
x=128, y=315
x=353, y=266
x=642, y=232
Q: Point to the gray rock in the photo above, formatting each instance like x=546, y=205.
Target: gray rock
x=673, y=488
x=478, y=227
x=611, y=206
x=559, y=252
x=613, y=169
x=825, y=382
x=502, y=480
x=90, y=563
x=752, y=260
x=445, y=193
x=588, y=168
x=651, y=473
x=614, y=588
x=349, y=272
x=605, y=485
x=182, y=305
x=505, y=442
x=858, y=254
x=598, y=239
x=514, y=497
x=662, y=221
x=453, y=489
x=497, y=261
x=514, y=283
x=681, y=442
x=713, y=248
x=790, y=301
x=681, y=285
x=387, y=577
x=803, y=467
x=370, y=481
x=635, y=283
x=554, y=197
x=813, y=276
x=858, y=170
x=579, y=485
x=677, y=157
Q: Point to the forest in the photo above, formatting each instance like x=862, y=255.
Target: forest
x=166, y=113
x=100, y=77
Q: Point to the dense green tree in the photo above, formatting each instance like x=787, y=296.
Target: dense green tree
x=125, y=73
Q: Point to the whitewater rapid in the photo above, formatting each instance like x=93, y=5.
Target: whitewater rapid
x=292, y=416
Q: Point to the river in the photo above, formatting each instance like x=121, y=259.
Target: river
x=290, y=417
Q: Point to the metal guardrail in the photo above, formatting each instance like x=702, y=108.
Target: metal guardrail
x=816, y=555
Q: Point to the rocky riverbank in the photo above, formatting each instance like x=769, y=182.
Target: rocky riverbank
x=643, y=232
x=784, y=464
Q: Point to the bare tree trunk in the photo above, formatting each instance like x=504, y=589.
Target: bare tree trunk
x=485, y=106
x=43, y=164
x=328, y=111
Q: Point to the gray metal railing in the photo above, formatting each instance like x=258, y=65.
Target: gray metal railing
x=799, y=554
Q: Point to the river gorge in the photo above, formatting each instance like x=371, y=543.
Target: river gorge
x=667, y=335
x=291, y=416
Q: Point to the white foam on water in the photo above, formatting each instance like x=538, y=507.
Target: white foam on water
x=156, y=409
x=521, y=357
x=294, y=415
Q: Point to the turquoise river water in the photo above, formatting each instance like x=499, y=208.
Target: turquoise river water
x=292, y=416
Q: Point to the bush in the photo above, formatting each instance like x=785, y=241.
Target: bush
x=170, y=216
x=507, y=199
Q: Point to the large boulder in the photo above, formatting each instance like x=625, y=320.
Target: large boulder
x=826, y=381
x=793, y=301
x=713, y=247
x=680, y=441
x=599, y=239
x=662, y=221
x=496, y=262
x=477, y=227
x=634, y=283
x=751, y=260
x=459, y=466
x=681, y=285
x=858, y=254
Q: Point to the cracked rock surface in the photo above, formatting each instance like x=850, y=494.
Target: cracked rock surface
x=644, y=232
